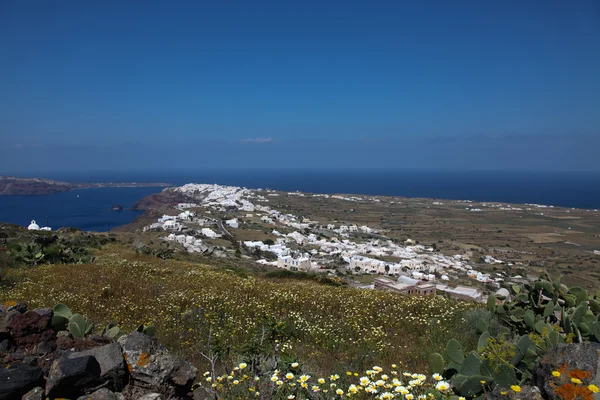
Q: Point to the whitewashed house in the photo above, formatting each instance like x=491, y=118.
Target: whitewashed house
x=186, y=215
x=209, y=233
x=294, y=264
x=172, y=225
x=366, y=264
x=233, y=223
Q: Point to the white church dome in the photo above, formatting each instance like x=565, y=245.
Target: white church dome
x=33, y=226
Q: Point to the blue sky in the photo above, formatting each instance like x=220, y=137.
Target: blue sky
x=239, y=84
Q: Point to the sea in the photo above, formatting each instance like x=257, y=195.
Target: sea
x=90, y=209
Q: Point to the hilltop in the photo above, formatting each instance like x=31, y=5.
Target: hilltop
x=483, y=245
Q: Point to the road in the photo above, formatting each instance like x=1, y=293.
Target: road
x=222, y=228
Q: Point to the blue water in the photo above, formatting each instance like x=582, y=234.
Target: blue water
x=91, y=210
x=87, y=209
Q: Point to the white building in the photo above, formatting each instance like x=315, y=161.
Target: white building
x=266, y=220
x=294, y=264
x=366, y=264
x=209, y=233
x=233, y=223
x=172, y=225
x=33, y=226
x=186, y=215
x=167, y=218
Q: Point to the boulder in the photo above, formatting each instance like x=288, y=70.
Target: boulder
x=34, y=394
x=4, y=332
x=113, y=368
x=102, y=394
x=29, y=360
x=19, y=307
x=18, y=379
x=183, y=376
x=152, y=396
x=579, y=361
x=45, y=347
x=70, y=377
x=30, y=328
x=44, y=312
x=4, y=345
x=151, y=366
x=148, y=361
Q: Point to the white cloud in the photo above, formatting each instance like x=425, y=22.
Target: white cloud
x=258, y=140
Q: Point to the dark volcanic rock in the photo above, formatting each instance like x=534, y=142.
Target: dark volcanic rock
x=45, y=312
x=183, y=376
x=19, y=307
x=30, y=328
x=4, y=322
x=29, y=360
x=165, y=198
x=113, y=368
x=45, y=347
x=70, y=377
x=152, y=366
x=18, y=379
x=152, y=396
x=4, y=345
x=34, y=394
x=581, y=361
x=102, y=394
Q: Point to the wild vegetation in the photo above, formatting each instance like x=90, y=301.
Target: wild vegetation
x=282, y=334
x=539, y=317
x=218, y=317
x=19, y=247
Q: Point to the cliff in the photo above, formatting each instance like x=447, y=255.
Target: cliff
x=11, y=186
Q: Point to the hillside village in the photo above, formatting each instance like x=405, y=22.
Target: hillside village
x=301, y=244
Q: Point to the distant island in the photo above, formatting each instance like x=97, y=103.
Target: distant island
x=12, y=186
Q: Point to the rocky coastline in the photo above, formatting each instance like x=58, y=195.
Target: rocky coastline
x=13, y=186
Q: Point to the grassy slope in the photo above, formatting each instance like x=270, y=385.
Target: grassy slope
x=329, y=328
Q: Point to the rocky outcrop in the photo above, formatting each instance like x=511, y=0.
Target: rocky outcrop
x=37, y=362
x=29, y=329
x=151, y=365
x=17, y=380
x=567, y=371
x=113, y=369
x=71, y=377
